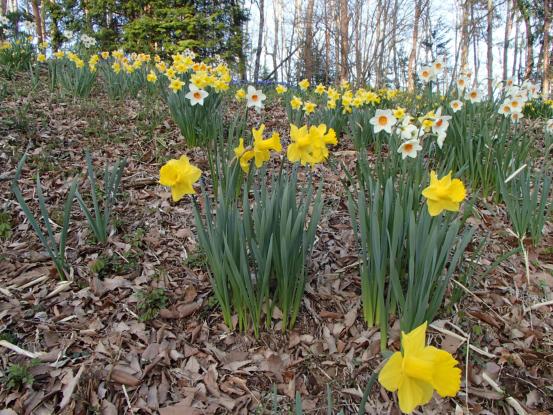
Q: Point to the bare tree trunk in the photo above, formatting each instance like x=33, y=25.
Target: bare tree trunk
x=465, y=34
x=259, y=40
x=308, y=51
x=38, y=20
x=414, y=41
x=394, y=44
x=475, y=46
x=508, y=24
x=378, y=34
x=489, y=41
x=336, y=8
x=327, y=41
x=529, y=38
x=344, y=39
x=546, y=47
x=357, y=41
x=515, y=54
x=278, y=16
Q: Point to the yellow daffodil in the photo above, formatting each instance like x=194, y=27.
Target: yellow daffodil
x=59, y=54
x=260, y=151
x=344, y=84
x=309, y=107
x=179, y=175
x=444, y=194
x=281, y=89
x=331, y=104
x=309, y=145
x=176, y=85
x=240, y=94
x=151, y=77
x=419, y=370
x=296, y=103
x=320, y=89
x=304, y=84
x=41, y=57
x=300, y=148
x=105, y=54
x=399, y=113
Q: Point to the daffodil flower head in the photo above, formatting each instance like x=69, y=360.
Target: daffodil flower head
x=444, y=194
x=419, y=370
x=295, y=103
x=179, y=175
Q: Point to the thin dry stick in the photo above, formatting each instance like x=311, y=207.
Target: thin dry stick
x=465, y=339
x=510, y=400
x=19, y=350
x=482, y=301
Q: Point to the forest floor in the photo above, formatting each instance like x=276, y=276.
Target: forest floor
x=88, y=350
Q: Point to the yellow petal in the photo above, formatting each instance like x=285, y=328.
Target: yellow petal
x=434, y=207
x=180, y=189
x=447, y=377
x=293, y=153
x=239, y=150
x=414, y=341
x=457, y=190
x=412, y=393
x=391, y=374
x=169, y=173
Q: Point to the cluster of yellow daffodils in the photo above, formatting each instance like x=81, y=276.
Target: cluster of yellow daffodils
x=309, y=144
x=179, y=175
x=444, y=194
x=418, y=370
x=259, y=151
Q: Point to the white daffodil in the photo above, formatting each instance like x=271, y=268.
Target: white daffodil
x=409, y=149
x=409, y=132
x=456, y=105
x=516, y=116
x=196, y=95
x=427, y=74
x=255, y=98
x=438, y=65
x=474, y=96
x=441, y=122
x=383, y=120
x=461, y=84
x=516, y=105
x=504, y=109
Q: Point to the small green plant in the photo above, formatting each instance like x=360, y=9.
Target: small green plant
x=15, y=57
x=75, y=78
x=198, y=124
x=18, y=376
x=99, y=266
x=5, y=225
x=9, y=336
x=253, y=245
x=526, y=198
x=54, y=248
x=103, y=200
x=150, y=302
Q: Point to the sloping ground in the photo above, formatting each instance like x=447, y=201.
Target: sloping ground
x=94, y=354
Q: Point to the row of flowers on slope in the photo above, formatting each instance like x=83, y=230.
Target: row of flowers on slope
x=309, y=146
